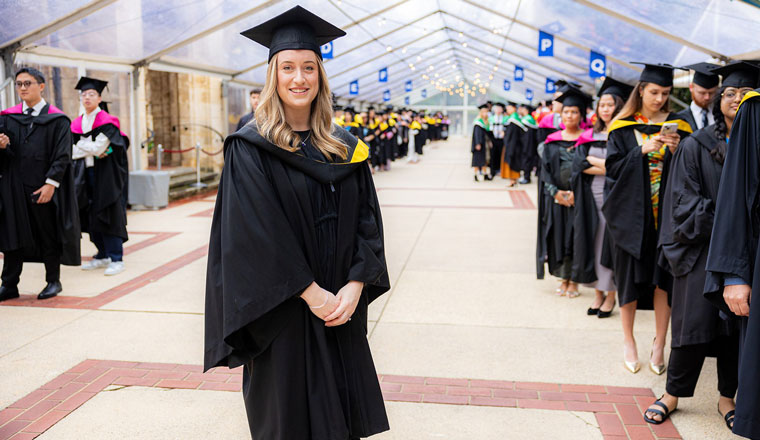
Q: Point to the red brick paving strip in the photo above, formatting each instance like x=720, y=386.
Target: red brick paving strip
x=110, y=295
x=615, y=408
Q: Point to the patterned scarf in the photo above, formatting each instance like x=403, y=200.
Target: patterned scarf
x=656, y=162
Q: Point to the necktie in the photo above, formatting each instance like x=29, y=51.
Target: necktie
x=704, y=118
x=29, y=111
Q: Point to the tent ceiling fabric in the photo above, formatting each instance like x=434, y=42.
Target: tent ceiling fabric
x=458, y=38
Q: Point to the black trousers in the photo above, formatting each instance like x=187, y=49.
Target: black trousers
x=498, y=147
x=686, y=364
x=42, y=219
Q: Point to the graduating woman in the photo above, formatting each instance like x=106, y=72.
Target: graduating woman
x=687, y=222
x=296, y=253
x=592, y=264
x=733, y=265
x=529, y=143
x=481, y=144
x=513, y=141
x=637, y=157
x=557, y=196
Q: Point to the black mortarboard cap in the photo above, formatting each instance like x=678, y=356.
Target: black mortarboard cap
x=349, y=109
x=660, y=74
x=500, y=104
x=294, y=29
x=86, y=83
x=562, y=84
x=740, y=74
x=703, y=74
x=575, y=97
x=612, y=86
x=482, y=106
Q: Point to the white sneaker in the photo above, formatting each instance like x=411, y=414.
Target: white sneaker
x=115, y=267
x=96, y=263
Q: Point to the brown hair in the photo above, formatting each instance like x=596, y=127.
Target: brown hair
x=255, y=91
x=634, y=102
x=599, y=125
x=270, y=117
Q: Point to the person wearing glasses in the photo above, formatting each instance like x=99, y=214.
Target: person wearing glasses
x=732, y=261
x=100, y=158
x=39, y=221
x=688, y=209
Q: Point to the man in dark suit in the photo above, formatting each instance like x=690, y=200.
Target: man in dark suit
x=703, y=88
x=254, y=95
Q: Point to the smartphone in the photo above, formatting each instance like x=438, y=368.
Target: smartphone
x=669, y=128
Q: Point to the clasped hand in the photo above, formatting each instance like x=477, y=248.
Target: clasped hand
x=565, y=198
x=737, y=298
x=334, y=309
x=4, y=141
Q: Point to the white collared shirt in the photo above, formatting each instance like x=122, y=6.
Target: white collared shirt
x=36, y=112
x=37, y=108
x=86, y=148
x=696, y=111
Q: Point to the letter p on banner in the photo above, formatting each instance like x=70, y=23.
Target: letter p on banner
x=545, y=44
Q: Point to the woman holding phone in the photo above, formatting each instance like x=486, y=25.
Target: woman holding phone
x=641, y=140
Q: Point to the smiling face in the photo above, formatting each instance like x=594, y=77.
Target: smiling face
x=297, y=78
x=730, y=100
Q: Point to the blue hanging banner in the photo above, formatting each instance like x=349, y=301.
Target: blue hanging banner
x=382, y=75
x=507, y=85
x=327, y=51
x=519, y=73
x=408, y=86
x=597, y=65
x=406, y=101
x=353, y=87
x=550, y=86
x=545, y=44
x=529, y=94
x=387, y=95
x=424, y=93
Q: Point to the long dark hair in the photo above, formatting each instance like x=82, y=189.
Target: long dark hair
x=599, y=125
x=719, y=128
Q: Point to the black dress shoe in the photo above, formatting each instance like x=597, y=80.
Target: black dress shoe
x=605, y=314
x=592, y=311
x=51, y=290
x=8, y=292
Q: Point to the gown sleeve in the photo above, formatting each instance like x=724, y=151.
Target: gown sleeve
x=61, y=152
x=692, y=213
x=547, y=171
x=368, y=263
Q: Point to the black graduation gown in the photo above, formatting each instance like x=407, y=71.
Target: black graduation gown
x=513, y=144
x=734, y=251
x=687, y=219
x=529, y=153
x=281, y=221
x=628, y=210
x=688, y=116
x=586, y=219
x=556, y=226
x=482, y=137
x=40, y=148
x=107, y=213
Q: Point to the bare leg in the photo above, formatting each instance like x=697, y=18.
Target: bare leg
x=598, y=300
x=609, y=302
x=670, y=401
x=627, y=317
x=662, y=319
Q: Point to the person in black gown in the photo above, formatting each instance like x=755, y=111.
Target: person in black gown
x=688, y=209
x=296, y=253
x=481, y=144
x=254, y=97
x=592, y=263
x=557, y=197
x=638, y=154
x=733, y=266
x=39, y=221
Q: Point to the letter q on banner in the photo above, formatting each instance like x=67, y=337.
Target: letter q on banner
x=519, y=73
x=327, y=51
x=597, y=65
x=545, y=44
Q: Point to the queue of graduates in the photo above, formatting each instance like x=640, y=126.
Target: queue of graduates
x=504, y=143
x=59, y=178
x=658, y=210
x=393, y=135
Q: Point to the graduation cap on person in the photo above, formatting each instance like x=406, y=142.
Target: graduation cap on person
x=704, y=75
x=561, y=85
x=500, y=104
x=86, y=83
x=611, y=86
x=739, y=74
x=295, y=29
x=349, y=109
x=575, y=97
x=660, y=74
x=482, y=106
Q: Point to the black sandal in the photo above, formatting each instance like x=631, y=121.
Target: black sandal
x=728, y=417
x=664, y=415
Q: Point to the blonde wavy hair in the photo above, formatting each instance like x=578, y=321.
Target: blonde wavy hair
x=270, y=117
